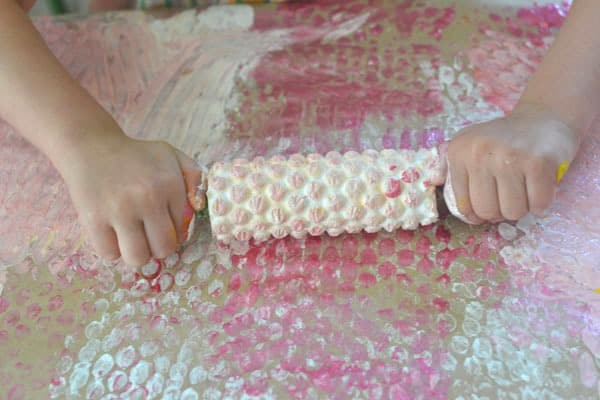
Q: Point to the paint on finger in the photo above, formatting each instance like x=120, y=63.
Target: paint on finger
x=450, y=199
x=562, y=170
x=188, y=221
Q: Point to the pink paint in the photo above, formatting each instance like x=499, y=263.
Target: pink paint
x=368, y=257
x=3, y=336
x=33, y=310
x=66, y=318
x=12, y=317
x=394, y=188
x=386, y=270
x=312, y=286
x=405, y=258
x=21, y=331
x=367, y=279
x=410, y=175
x=444, y=278
x=403, y=278
x=16, y=392
x=445, y=257
x=4, y=304
x=331, y=254
x=423, y=245
x=55, y=303
x=405, y=237
x=235, y=283
x=443, y=234
x=425, y=265
x=386, y=247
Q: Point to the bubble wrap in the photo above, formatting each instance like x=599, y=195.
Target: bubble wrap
x=315, y=194
x=448, y=311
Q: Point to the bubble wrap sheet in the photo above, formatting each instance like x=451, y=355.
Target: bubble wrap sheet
x=445, y=311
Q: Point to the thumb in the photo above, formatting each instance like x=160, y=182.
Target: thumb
x=440, y=168
x=195, y=180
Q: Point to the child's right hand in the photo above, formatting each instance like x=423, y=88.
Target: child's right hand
x=504, y=169
x=130, y=194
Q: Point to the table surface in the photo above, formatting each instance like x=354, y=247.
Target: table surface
x=493, y=312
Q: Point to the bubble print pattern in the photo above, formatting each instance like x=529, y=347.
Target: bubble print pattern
x=446, y=311
x=239, y=325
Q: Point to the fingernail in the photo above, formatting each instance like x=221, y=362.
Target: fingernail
x=188, y=215
x=562, y=170
x=198, y=200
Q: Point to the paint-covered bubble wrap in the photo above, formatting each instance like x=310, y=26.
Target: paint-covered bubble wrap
x=315, y=194
x=444, y=311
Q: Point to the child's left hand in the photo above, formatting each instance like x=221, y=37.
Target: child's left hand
x=130, y=195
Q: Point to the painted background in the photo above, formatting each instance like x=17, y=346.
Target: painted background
x=496, y=312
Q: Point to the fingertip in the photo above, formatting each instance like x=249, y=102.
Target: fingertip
x=112, y=257
x=188, y=218
x=459, y=207
x=195, y=181
x=103, y=239
x=133, y=243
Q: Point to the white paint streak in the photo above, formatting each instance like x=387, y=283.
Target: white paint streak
x=346, y=28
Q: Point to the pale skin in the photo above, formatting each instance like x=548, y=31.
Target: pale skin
x=504, y=169
x=130, y=194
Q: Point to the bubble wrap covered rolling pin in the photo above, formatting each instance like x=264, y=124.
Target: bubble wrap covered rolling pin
x=317, y=194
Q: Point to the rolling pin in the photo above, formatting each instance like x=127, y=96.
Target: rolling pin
x=322, y=194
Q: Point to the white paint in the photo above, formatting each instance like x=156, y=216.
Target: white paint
x=450, y=199
x=346, y=28
x=215, y=49
x=315, y=194
x=215, y=18
x=226, y=17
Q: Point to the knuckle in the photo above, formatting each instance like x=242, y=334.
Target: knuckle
x=120, y=202
x=92, y=219
x=137, y=259
x=538, y=167
x=486, y=212
x=488, y=215
x=464, y=208
x=136, y=256
x=144, y=195
x=150, y=190
x=165, y=251
x=508, y=156
x=453, y=150
x=514, y=214
x=473, y=218
x=109, y=254
x=481, y=150
x=540, y=203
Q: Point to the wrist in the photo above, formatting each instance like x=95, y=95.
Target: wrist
x=555, y=136
x=80, y=140
x=577, y=111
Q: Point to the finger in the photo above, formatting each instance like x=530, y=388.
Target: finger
x=104, y=240
x=512, y=193
x=456, y=194
x=440, y=167
x=133, y=244
x=183, y=226
x=193, y=176
x=161, y=233
x=484, y=196
x=540, y=186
